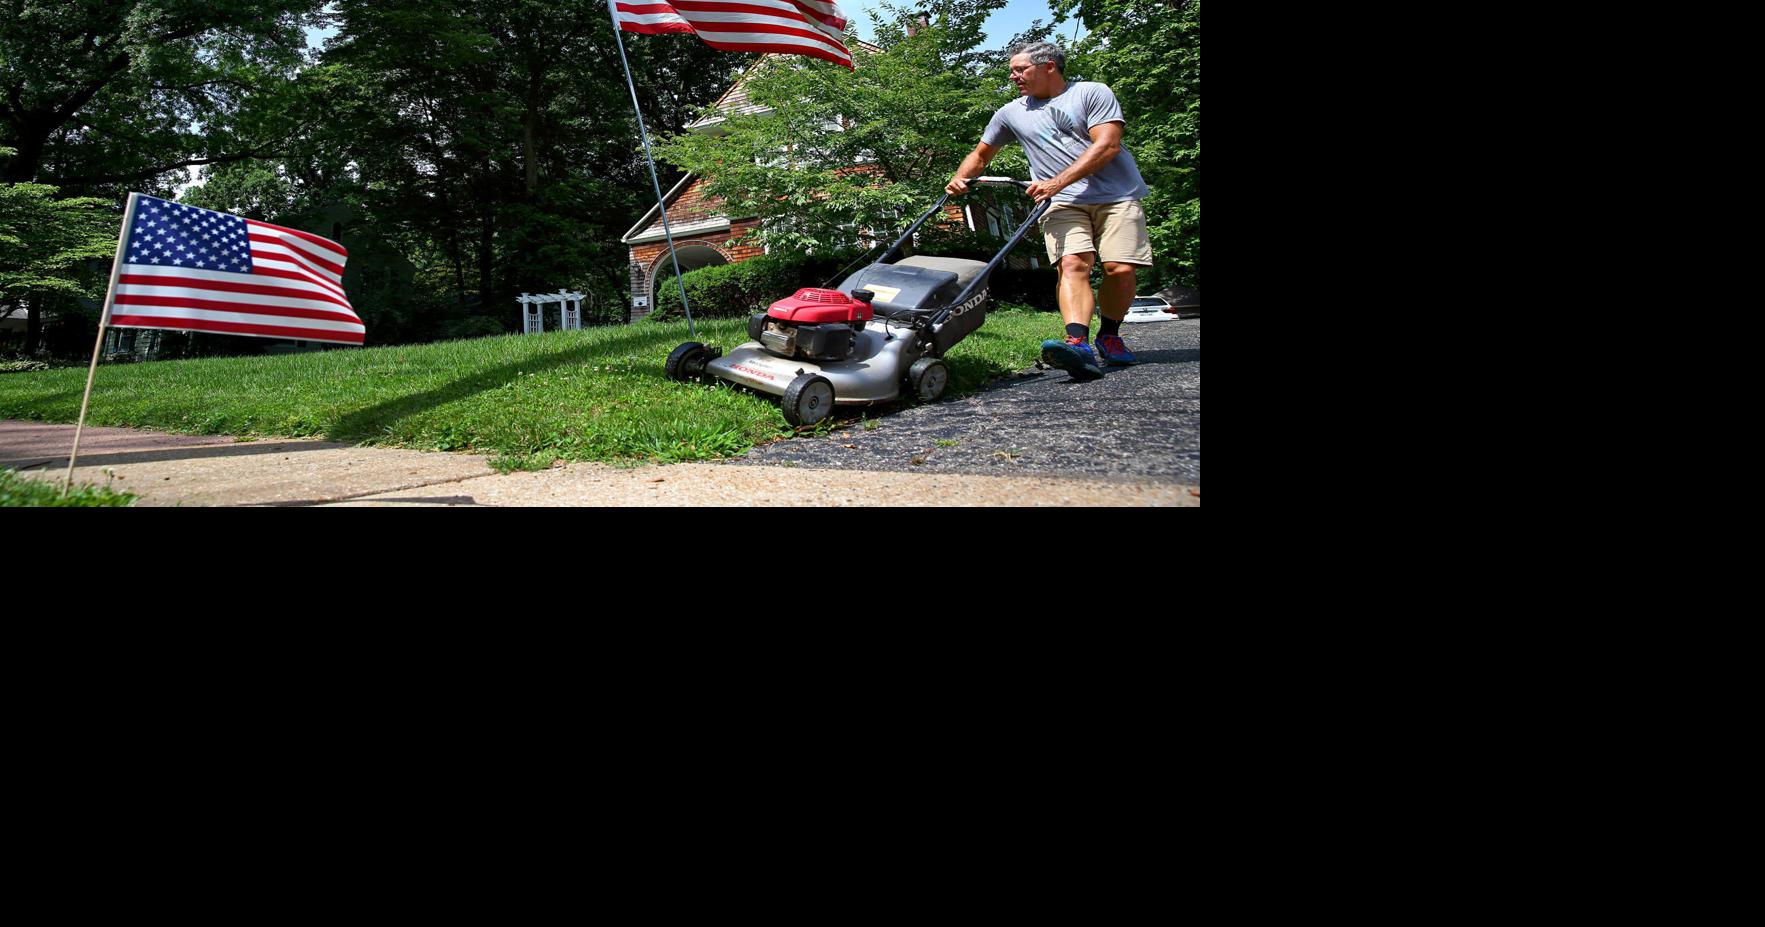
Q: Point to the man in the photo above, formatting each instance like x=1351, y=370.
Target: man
x=1072, y=134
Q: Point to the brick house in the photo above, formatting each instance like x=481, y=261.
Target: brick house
x=702, y=232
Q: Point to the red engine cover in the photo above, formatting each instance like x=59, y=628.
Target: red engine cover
x=811, y=306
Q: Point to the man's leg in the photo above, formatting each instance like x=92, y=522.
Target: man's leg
x=1114, y=298
x=1123, y=245
x=1117, y=292
x=1073, y=353
x=1076, y=302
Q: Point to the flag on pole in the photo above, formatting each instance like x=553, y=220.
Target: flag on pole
x=780, y=27
x=191, y=269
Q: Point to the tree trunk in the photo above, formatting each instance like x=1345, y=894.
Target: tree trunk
x=24, y=166
x=529, y=151
x=33, y=327
x=486, y=266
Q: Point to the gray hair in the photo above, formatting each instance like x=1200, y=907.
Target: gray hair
x=1042, y=53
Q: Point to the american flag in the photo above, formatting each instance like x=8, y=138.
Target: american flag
x=194, y=269
x=783, y=27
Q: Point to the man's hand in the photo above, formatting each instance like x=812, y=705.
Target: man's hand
x=1043, y=189
x=971, y=167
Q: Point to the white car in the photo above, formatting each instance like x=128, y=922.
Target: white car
x=1149, y=309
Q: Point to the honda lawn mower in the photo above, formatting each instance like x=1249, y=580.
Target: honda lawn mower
x=882, y=334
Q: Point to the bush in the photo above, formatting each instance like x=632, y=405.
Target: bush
x=22, y=366
x=471, y=327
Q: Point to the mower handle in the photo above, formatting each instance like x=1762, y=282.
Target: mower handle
x=981, y=278
x=938, y=207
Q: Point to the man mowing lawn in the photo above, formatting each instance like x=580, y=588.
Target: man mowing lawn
x=1072, y=134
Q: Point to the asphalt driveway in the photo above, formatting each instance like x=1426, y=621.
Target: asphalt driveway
x=1141, y=422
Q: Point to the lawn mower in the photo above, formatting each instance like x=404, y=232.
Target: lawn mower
x=883, y=333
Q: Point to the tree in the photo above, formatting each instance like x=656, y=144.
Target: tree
x=49, y=246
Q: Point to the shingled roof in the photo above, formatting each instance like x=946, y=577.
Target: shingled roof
x=735, y=102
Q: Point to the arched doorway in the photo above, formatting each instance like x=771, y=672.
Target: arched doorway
x=693, y=255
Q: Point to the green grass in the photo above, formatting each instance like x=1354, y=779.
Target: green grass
x=526, y=400
x=21, y=492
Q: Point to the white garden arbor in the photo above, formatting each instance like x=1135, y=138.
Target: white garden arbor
x=534, y=310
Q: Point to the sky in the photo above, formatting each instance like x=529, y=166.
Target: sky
x=1001, y=26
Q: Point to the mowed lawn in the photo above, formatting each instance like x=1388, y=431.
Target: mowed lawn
x=527, y=400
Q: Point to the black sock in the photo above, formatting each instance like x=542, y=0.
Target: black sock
x=1075, y=330
x=1110, y=327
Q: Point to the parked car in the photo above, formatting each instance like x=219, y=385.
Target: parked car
x=1183, y=302
x=1149, y=309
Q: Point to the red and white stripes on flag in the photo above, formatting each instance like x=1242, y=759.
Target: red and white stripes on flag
x=780, y=27
x=193, y=269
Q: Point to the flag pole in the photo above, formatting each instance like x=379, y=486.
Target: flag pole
x=662, y=207
x=116, y=268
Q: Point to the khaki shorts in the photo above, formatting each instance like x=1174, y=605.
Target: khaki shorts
x=1116, y=231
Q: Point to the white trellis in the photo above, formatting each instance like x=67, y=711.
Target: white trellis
x=533, y=310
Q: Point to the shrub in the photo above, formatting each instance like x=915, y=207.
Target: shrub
x=472, y=327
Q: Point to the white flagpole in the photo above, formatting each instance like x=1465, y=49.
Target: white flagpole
x=613, y=11
x=116, y=269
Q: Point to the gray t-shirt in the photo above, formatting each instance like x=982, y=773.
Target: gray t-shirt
x=1056, y=131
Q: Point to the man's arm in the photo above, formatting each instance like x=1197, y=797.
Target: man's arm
x=1106, y=143
x=977, y=161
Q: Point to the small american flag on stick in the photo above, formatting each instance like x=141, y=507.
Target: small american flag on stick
x=192, y=269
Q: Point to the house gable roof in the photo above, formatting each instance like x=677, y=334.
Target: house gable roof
x=650, y=218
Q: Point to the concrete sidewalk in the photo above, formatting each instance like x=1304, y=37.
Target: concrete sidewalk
x=174, y=470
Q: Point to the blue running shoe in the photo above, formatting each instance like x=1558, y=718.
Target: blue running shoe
x=1115, y=350
x=1072, y=355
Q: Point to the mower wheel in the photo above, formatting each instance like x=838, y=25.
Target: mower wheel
x=688, y=361
x=928, y=377
x=808, y=400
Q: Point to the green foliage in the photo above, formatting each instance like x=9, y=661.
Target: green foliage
x=47, y=245
x=1149, y=53
x=22, y=366
x=23, y=492
x=50, y=249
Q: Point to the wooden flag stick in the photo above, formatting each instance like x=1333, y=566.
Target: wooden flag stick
x=116, y=269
